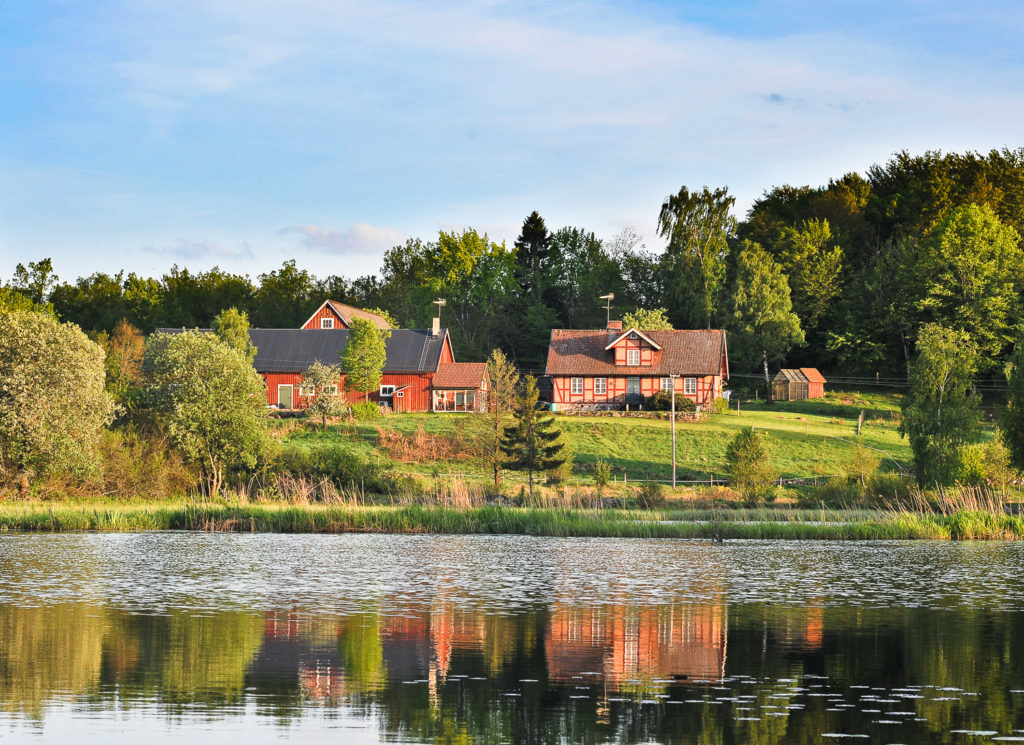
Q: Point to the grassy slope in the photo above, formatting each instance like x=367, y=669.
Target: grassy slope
x=810, y=438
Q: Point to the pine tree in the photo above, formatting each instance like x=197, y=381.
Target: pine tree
x=532, y=443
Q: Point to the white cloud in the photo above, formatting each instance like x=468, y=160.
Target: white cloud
x=200, y=250
x=359, y=239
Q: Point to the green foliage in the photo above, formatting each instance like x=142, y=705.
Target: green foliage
x=973, y=269
x=334, y=463
x=1013, y=418
x=813, y=264
x=364, y=411
x=53, y=406
x=211, y=402
x=232, y=327
x=719, y=406
x=602, y=473
x=35, y=281
x=698, y=227
x=532, y=443
x=12, y=300
x=320, y=387
x=862, y=465
x=662, y=401
x=749, y=459
x=651, y=495
x=501, y=397
x=761, y=319
x=940, y=413
x=561, y=473
x=364, y=356
x=647, y=320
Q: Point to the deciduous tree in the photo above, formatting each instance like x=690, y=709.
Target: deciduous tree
x=655, y=319
x=53, y=406
x=1013, y=419
x=364, y=356
x=211, y=402
x=761, y=319
x=697, y=226
x=504, y=379
x=749, y=457
x=320, y=387
x=940, y=412
x=232, y=327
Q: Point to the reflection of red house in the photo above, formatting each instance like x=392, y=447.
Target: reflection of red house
x=612, y=367
x=682, y=642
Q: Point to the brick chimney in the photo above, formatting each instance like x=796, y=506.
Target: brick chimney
x=615, y=325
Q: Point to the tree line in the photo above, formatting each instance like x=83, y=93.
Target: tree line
x=841, y=276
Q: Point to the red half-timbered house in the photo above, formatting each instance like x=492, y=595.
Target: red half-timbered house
x=611, y=368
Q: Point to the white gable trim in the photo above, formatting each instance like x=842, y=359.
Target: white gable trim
x=639, y=333
x=315, y=312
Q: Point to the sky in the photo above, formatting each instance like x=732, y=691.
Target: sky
x=242, y=133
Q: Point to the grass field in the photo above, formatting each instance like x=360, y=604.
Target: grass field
x=811, y=439
x=282, y=518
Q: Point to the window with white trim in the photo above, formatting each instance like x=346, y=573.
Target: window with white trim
x=633, y=357
x=331, y=390
x=689, y=386
x=576, y=385
x=387, y=391
x=600, y=386
x=666, y=384
x=327, y=323
x=306, y=390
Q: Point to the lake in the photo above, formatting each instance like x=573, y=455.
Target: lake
x=393, y=638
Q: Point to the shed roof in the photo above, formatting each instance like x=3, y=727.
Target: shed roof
x=683, y=352
x=812, y=375
x=465, y=375
x=294, y=350
x=800, y=375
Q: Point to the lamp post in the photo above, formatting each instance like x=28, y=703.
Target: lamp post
x=672, y=393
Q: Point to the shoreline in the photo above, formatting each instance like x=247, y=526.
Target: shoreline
x=28, y=517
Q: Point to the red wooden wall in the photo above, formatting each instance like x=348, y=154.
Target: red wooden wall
x=708, y=387
x=325, y=312
x=416, y=398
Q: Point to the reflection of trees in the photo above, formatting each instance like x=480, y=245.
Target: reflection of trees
x=466, y=662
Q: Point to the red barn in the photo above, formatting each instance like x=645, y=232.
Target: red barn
x=612, y=368
x=335, y=315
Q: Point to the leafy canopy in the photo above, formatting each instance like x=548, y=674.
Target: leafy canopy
x=364, y=356
x=643, y=319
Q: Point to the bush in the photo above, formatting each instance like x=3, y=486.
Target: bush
x=563, y=472
x=335, y=464
x=661, y=401
x=365, y=411
x=889, y=487
x=602, y=473
x=749, y=456
x=719, y=406
x=651, y=495
x=838, y=491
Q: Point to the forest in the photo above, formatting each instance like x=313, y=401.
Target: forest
x=847, y=273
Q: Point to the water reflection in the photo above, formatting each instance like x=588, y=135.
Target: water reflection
x=433, y=665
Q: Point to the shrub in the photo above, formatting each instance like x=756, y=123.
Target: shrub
x=749, y=456
x=719, y=406
x=661, y=401
x=563, y=471
x=861, y=465
x=889, y=487
x=651, y=495
x=602, y=473
x=365, y=411
x=838, y=491
x=335, y=464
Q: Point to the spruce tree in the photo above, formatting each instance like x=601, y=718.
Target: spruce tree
x=532, y=443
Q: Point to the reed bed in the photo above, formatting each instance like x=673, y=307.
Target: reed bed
x=537, y=521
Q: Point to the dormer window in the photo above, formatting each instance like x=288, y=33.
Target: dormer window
x=327, y=323
x=632, y=357
x=632, y=335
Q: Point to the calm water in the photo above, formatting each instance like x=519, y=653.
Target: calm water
x=158, y=637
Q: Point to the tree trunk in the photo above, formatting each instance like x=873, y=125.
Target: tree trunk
x=767, y=380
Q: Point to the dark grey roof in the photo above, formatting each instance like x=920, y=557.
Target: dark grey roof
x=294, y=350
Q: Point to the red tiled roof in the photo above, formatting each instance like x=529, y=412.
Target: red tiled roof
x=348, y=312
x=468, y=375
x=812, y=375
x=576, y=352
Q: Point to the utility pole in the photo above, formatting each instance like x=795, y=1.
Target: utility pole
x=672, y=392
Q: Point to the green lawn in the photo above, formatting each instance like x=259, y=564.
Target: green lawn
x=810, y=438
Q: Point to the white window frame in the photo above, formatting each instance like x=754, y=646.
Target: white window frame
x=387, y=391
x=632, y=354
x=666, y=384
x=689, y=386
x=327, y=323
x=576, y=386
x=331, y=390
x=600, y=386
x=307, y=390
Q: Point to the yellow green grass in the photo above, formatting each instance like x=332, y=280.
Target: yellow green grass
x=810, y=439
x=60, y=517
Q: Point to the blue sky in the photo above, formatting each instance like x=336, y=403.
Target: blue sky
x=241, y=133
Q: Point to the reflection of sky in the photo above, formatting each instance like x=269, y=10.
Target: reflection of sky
x=141, y=134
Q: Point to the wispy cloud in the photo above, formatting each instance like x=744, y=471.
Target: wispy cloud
x=359, y=239
x=201, y=250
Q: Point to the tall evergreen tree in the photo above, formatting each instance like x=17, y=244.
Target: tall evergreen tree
x=532, y=443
